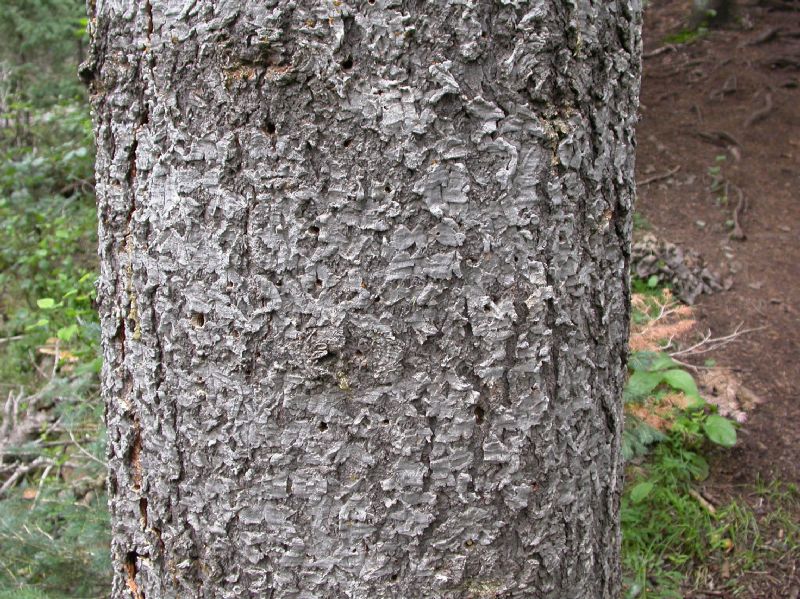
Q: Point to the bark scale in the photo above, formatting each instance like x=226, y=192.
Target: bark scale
x=364, y=294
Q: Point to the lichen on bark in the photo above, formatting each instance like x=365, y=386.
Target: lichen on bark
x=377, y=255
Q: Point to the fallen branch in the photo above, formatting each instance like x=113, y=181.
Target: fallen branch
x=655, y=178
x=21, y=471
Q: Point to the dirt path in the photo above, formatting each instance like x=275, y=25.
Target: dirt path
x=735, y=94
x=725, y=112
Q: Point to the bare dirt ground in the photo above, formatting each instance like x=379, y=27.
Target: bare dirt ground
x=723, y=114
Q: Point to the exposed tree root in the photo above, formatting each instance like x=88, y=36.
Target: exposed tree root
x=738, y=233
x=761, y=113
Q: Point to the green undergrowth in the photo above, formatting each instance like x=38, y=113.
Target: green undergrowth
x=54, y=525
x=54, y=529
x=667, y=425
x=674, y=538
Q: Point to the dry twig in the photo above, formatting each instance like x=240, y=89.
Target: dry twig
x=709, y=343
x=705, y=503
x=21, y=470
x=661, y=50
x=655, y=178
x=84, y=452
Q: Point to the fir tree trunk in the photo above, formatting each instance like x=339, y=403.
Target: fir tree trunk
x=364, y=294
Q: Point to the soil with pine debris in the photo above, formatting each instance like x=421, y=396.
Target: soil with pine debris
x=718, y=165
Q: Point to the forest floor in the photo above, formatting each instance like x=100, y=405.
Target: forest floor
x=721, y=112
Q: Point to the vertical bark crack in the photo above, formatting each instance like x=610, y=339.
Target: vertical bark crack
x=131, y=568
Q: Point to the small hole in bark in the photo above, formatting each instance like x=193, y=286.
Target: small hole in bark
x=323, y=426
x=347, y=63
x=371, y=1
x=487, y=307
x=385, y=421
x=270, y=127
x=347, y=143
x=387, y=189
x=143, y=511
x=394, y=577
x=479, y=414
x=279, y=283
x=318, y=282
x=314, y=230
x=377, y=298
x=198, y=320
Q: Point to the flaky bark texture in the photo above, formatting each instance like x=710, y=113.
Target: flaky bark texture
x=364, y=294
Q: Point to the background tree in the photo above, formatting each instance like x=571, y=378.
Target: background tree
x=40, y=41
x=364, y=294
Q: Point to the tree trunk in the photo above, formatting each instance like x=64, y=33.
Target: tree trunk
x=364, y=294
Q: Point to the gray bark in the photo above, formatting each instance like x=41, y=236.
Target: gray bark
x=364, y=294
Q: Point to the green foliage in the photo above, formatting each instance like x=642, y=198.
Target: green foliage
x=58, y=546
x=41, y=42
x=720, y=430
x=54, y=528
x=47, y=259
x=652, y=375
